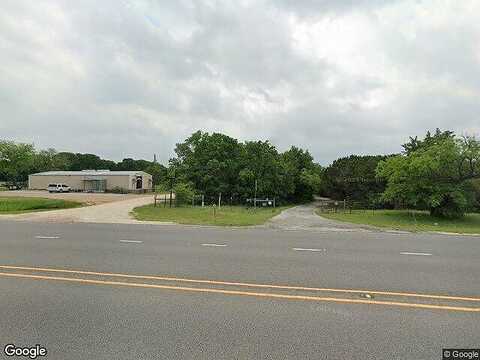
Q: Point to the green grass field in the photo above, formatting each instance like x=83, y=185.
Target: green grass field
x=226, y=216
x=404, y=220
x=17, y=205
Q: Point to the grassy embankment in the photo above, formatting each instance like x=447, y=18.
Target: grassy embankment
x=226, y=216
x=18, y=205
x=408, y=220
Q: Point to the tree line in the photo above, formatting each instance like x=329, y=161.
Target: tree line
x=439, y=173
x=18, y=160
x=207, y=164
x=216, y=163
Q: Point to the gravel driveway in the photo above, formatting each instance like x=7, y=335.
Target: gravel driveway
x=303, y=217
x=112, y=212
x=86, y=198
x=114, y=208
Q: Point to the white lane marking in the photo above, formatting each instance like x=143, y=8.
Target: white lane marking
x=305, y=249
x=46, y=237
x=132, y=241
x=415, y=253
x=218, y=245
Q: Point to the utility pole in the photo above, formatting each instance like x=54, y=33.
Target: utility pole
x=172, y=180
x=219, y=200
x=255, y=198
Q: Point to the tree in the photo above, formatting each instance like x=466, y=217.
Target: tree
x=260, y=163
x=130, y=164
x=313, y=179
x=44, y=160
x=297, y=164
x=63, y=161
x=183, y=193
x=209, y=162
x=16, y=161
x=158, y=172
x=216, y=163
x=353, y=178
x=415, y=144
x=435, y=176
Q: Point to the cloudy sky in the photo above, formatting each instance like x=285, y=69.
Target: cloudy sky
x=124, y=78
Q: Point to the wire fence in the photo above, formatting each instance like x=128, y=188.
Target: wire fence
x=348, y=206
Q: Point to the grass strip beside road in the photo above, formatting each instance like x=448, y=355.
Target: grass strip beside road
x=225, y=216
x=19, y=205
x=408, y=220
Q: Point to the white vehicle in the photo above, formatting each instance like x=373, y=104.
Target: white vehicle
x=58, y=188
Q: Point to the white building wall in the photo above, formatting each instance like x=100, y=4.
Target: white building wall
x=128, y=182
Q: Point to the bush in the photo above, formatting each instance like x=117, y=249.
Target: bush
x=161, y=188
x=451, y=206
x=476, y=195
x=183, y=193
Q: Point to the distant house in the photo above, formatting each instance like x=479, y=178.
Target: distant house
x=93, y=180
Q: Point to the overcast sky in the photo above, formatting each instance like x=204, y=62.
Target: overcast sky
x=125, y=78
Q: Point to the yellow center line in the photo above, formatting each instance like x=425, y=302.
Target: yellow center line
x=244, y=293
x=242, y=284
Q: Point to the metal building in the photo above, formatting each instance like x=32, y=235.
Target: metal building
x=93, y=180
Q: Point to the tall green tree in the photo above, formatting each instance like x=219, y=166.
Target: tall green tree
x=353, y=178
x=16, y=161
x=436, y=176
x=158, y=172
x=210, y=162
x=261, y=166
x=299, y=168
x=430, y=139
x=130, y=164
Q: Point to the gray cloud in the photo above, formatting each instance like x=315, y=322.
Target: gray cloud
x=125, y=78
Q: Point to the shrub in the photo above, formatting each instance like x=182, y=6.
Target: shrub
x=183, y=193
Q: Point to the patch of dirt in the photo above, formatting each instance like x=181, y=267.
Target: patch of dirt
x=85, y=198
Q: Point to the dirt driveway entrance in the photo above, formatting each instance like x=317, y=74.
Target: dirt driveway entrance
x=114, y=209
x=303, y=217
x=85, y=198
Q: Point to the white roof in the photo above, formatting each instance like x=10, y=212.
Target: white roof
x=90, y=173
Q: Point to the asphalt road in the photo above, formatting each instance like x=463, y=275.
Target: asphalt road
x=266, y=294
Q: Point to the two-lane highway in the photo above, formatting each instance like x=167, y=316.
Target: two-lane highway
x=141, y=291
